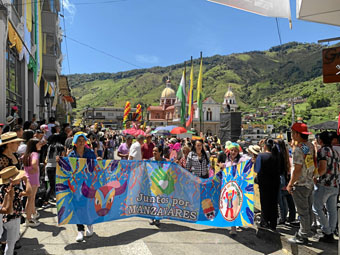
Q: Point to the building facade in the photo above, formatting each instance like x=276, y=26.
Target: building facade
x=30, y=58
x=168, y=112
x=108, y=116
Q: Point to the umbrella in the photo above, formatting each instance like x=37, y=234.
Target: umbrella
x=134, y=132
x=160, y=132
x=178, y=130
x=167, y=128
x=325, y=11
x=326, y=125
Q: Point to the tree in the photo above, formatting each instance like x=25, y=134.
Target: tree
x=319, y=101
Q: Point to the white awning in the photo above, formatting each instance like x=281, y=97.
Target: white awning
x=320, y=11
x=271, y=8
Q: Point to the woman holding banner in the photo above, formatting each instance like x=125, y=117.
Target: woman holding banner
x=80, y=151
x=233, y=158
x=157, y=152
x=197, y=161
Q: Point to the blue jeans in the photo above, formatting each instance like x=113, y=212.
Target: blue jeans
x=326, y=196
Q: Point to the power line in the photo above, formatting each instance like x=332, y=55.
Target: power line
x=81, y=3
x=103, y=52
x=68, y=59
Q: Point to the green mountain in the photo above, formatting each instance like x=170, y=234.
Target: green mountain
x=258, y=78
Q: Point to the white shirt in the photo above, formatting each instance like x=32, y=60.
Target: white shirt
x=136, y=151
x=22, y=149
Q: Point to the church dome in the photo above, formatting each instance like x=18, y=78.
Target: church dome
x=229, y=93
x=168, y=93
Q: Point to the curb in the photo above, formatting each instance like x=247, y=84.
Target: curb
x=281, y=240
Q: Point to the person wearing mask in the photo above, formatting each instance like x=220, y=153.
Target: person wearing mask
x=267, y=167
x=124, y=148
x=233, y=158
x=31, y=167
x=147, y=148
x=80, y=151
x=136, y=148
x=157, y=156
x=327, y=188
x=301, y=183
x=198, y=161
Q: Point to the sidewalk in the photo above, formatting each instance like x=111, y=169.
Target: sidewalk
x=284, y=232
x=136, y=236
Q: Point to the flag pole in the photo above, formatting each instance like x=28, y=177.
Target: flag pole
x=199, y=110
x=192, y=99
x=185, y=100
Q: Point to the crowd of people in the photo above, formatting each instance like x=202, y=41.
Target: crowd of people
x=298, y=181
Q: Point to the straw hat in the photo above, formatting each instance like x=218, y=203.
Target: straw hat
x=10, y=172
x=255, y=149
x=9, y=137
x=9, y=120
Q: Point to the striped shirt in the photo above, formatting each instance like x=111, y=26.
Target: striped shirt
x=196, y=166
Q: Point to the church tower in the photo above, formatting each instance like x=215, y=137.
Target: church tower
x=168, y=96
x=229, y=103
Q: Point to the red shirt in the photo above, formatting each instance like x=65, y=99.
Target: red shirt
x=147, y=150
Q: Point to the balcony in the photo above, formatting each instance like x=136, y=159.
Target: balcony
x=49, y=22
x=50, y=67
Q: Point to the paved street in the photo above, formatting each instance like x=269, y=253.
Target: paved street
x=136, y=236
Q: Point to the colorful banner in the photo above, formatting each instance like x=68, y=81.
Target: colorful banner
x=91, y=191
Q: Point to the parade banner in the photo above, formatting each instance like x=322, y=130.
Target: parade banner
x=91, y=191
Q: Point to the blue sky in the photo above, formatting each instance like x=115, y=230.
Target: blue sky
x=147, y=33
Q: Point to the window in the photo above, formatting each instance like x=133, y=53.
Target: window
x=111, y=114
x=50, y=44
x=98, y=114
x=13, y=79
x=209, y=114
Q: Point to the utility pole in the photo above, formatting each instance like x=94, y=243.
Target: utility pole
x=293, y=112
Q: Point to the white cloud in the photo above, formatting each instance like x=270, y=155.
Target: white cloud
x=70, y=8
x=147, y=59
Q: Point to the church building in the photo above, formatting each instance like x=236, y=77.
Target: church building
x=168, y=112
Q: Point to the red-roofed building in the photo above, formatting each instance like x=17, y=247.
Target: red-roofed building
x=169, y=109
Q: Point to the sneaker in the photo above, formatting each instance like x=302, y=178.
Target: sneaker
x=36, y=215
x=297, y=239
x=327, y=238
x=294, y=224
x=46, y=205
x=32, y=223
x=80, y=236
x=89, y=231
x=233, y=232
x=157, y=223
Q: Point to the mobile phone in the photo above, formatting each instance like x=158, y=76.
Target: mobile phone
x=289, y=136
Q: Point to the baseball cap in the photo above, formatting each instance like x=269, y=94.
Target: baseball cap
x=77, y=135
x=1, y=124
x=301, y=128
